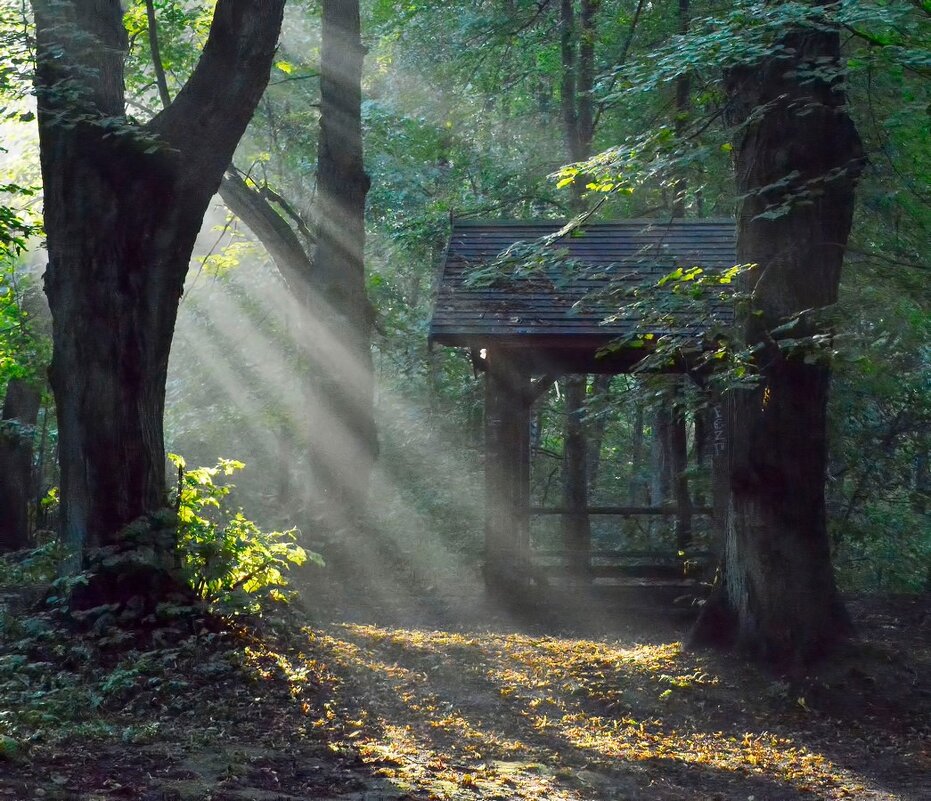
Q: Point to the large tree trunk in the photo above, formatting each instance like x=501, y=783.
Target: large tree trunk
x=123, y=206
x=17, y=425
x=344, y=439
x=798, y=160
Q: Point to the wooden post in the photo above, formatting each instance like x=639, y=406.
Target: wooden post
x=680, y=458
x=720, y=470
x=577, y=532
x=507, y=472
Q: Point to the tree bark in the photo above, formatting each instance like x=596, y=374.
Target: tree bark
x=798, y=159
x=17, y=424
x=344, y=436
x=577, y=47
x=123, y=206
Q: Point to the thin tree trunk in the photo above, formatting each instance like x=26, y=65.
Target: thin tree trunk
x=637, y=490
x=671, y=421
x=17, y=428
x=344, y=436
x=683, y=103
x=678, y=449
x=577, y=47
x=570, y=117
x=661, y=458
x=701, y=444
x=39, y=482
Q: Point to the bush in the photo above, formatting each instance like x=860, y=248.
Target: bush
x=229, y=561
x=36, y=566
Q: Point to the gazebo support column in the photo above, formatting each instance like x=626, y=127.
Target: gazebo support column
x=720, y=467
x=680, y=464
x=507, y=472
x=577, y=529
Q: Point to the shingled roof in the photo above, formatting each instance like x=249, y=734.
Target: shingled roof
x=524, y=310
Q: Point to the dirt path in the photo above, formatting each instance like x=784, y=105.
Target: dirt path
x=448, y=698
x=517, y=715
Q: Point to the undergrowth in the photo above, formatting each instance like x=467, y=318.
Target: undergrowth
x=101, y=674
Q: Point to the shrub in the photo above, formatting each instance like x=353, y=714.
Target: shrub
x=229, y=561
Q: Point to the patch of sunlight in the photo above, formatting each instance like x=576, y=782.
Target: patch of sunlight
x=223, y=326
x=427, y=743
x=486, y=713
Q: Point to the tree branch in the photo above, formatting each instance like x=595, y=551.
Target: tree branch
x=269, y=227
x=154, y=49
x=209, y=115
x=250, y=204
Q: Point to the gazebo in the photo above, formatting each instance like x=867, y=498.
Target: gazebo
x=527, y=327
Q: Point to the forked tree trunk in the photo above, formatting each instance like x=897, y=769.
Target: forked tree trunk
x=798, y=159
x=17, y=424
x=123, y=205
x=345, y=442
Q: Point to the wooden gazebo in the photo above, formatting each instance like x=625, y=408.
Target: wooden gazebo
x=529, y=327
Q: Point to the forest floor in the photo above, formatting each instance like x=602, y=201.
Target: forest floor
x=428, y=694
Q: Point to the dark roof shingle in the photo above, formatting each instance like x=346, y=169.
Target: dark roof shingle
x=563, y=303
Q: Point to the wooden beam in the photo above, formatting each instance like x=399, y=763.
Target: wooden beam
x=630, y=571
x=634, y=554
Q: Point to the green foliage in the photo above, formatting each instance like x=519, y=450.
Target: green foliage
x=231, y=563
x=462, y=119
x=37, y=566
x=885, y=547
x=182, y=29
x=24, y=352
x=14, y=228
x=58, y=685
